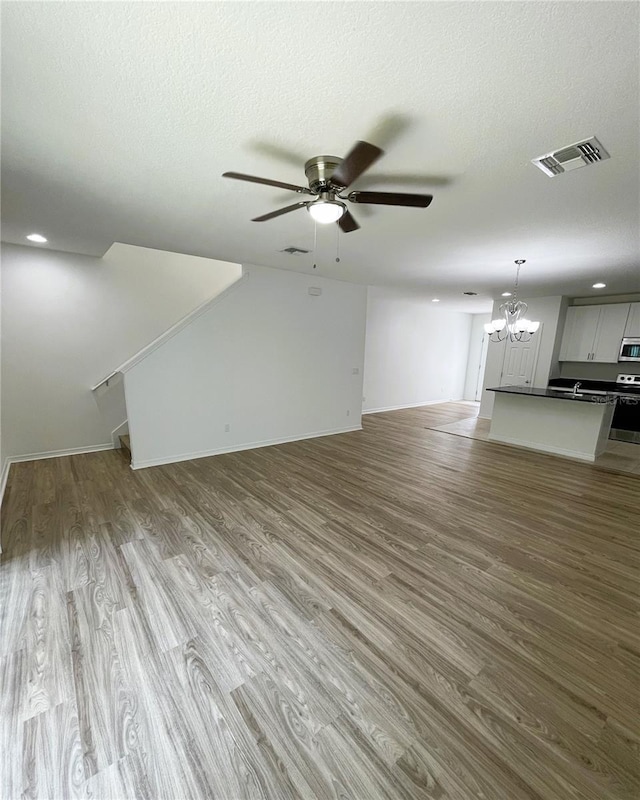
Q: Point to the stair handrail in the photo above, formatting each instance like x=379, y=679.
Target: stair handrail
x=105, y=381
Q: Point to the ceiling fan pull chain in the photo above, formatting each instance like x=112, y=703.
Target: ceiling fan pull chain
x=337, y=244
x=315, y=239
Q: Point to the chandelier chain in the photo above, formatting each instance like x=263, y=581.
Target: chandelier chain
x=519, y=262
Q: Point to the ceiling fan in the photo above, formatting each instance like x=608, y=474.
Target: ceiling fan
x=328, y=176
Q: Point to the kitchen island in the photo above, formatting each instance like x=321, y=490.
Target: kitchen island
x=567, y=423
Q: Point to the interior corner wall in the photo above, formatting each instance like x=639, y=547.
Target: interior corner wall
x=476, y=347
x=551, y=312
x=69, y=320
x=416, y=353
x=269, y=363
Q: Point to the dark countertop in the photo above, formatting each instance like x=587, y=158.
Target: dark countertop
x=578, y=398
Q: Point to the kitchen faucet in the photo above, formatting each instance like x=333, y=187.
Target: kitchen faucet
x=578, y=384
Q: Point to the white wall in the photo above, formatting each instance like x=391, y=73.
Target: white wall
x=551, y=312
x=69, y=320
x=268, y=360
x=4, y=466
x=416, y=352
x=476, y=347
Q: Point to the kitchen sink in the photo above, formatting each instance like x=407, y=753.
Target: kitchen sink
x=567, y=390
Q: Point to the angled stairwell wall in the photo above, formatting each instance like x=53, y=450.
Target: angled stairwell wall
x=68, y=320
x=266, y=363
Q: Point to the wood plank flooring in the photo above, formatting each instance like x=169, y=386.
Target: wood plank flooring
x=392, y=614
x=618, y=455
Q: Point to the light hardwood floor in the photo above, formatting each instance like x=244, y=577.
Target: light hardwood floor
x=396, y=613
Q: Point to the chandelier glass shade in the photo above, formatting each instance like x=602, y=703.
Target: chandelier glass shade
x=514, y=323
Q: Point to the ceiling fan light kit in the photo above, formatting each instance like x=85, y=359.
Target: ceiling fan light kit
x=328, y=176
x=326, y=210
x=514, y=324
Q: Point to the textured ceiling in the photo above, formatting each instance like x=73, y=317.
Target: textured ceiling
x=119, y=118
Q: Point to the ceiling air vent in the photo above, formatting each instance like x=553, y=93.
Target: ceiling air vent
x=577, y=155
x=293, y=251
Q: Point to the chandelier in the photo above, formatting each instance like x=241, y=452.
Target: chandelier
x=513, y=324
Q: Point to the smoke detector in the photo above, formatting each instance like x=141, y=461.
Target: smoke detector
x=580, y=154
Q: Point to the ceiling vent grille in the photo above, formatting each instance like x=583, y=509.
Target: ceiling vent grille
x=577, y=155
x=293, y=251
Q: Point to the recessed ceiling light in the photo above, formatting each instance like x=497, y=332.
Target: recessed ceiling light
x=599, y=285
x=505, y=294
x=36, y=237
x=435, y=300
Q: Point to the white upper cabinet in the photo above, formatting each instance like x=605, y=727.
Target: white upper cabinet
x=611, y=327
x=594, y=333
x=579, y=333
x=567, y=333
x=633, y=321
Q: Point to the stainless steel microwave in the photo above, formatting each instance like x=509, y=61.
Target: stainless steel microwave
x=630, y=350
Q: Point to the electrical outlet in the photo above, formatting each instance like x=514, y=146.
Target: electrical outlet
x=355, y=371
x=227, y=428
x=348, y=412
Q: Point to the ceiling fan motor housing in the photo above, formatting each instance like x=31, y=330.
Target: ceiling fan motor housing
x=318, y=171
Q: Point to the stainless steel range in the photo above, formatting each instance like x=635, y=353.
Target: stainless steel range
x=625, y=425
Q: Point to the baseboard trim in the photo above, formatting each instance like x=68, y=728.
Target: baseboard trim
x=542, y=448
x=410, y=405
x=72, y=451
x=157, y=462
x=3, y=480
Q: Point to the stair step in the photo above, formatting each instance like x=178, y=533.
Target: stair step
x=125, y=441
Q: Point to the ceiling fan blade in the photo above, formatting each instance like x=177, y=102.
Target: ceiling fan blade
x=391, y=199
x=280, y=211
x=347, y=223
x=239, y=176
x=361, y=156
